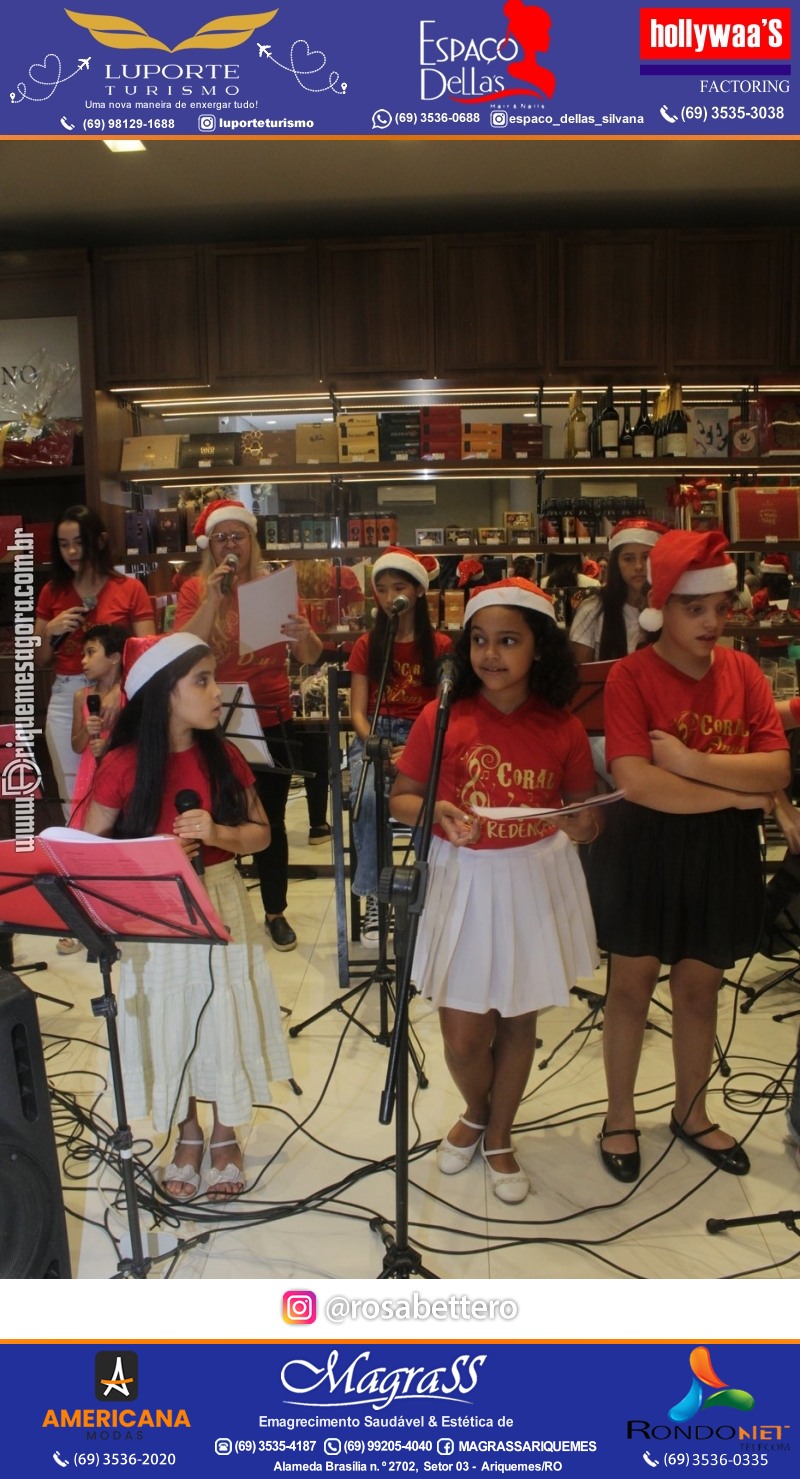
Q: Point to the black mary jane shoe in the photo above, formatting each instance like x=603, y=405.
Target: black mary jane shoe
x=281, y=933
x=734, y=1160
x=622, y=1167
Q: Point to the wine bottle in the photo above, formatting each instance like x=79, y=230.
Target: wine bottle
x=609, y=427
x=626, y=436
x=577, y=427
x=644, y=442
x=677, y=426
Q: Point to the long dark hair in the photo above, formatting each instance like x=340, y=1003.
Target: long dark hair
x=553, y=675
x=423, y=638
x=613, y=598
x=144, y=722
x=94, y=538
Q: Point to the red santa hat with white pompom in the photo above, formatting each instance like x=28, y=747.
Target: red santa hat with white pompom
x=214, y=513
x=683, y=563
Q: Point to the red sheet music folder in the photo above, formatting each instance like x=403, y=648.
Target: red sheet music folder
x=587, y=704
x=145, y=888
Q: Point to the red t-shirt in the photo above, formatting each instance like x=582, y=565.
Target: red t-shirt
x=122, y=601
x=405, y=693
x=528, y=758
x=185, y=771
x=264, y=670
x=729, y=711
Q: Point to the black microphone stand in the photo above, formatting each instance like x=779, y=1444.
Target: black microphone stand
x=377, y=752
x=406, y=888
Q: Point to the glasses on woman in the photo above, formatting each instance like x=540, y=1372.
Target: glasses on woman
x=235, y=538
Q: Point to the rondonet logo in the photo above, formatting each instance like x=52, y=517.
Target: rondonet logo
x=720, y=34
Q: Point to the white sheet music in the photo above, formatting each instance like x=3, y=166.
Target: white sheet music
x=510, y=813
x=244, y=729
x=264, y=606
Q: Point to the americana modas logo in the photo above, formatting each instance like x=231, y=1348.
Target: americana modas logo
x=127, y=35
x=116, y=1376
x=707, y=1390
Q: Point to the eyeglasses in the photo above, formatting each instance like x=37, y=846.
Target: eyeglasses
x=236, y=538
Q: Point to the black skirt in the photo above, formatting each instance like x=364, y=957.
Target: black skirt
x=677, y=887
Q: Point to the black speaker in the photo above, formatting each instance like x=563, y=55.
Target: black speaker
x=33, y=1230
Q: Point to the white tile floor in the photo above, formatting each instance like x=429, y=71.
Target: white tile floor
x=314, y=1162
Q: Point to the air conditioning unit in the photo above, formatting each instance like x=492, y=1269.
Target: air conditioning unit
x=390, y=494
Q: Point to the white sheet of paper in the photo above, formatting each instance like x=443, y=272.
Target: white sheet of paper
x=511, y=813
x=263, y=608
x=244, y=730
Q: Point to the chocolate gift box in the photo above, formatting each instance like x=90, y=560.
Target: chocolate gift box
x=208, y=449
x=770, y=515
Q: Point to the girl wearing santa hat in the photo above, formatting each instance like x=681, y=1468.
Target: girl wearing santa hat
x=195, y=1022
x=693, y=738
x=507, y=926
x=607, y=625
x=398, y=576
x=208, y=606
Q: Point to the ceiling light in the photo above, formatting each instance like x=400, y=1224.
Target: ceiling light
x=124, y=146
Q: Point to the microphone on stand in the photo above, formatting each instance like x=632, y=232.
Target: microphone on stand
x=226, y=584
x=190, y=801
x=398, y=606
x=447, y=678
x=89, y=603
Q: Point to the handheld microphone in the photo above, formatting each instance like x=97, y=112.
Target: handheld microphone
x=190, y=801
x=226, y=584
x=94, y=704
x=89, y=603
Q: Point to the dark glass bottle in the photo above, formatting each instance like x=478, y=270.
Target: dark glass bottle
x=609, y=427
x=626, y=436
x=677, y=426
x=644, y=442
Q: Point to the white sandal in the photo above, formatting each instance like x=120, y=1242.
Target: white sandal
x=67, y=945
x=450, y=1158
x=188, y=1176
x=230, y=1173
x=508, y=1186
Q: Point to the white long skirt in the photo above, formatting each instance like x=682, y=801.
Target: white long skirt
x=509, y=930
x=209, y=1010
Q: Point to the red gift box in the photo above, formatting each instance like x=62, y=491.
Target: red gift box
x=769, y=515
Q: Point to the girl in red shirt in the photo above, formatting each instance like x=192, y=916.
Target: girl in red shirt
x=693, y=738
x=507, y=892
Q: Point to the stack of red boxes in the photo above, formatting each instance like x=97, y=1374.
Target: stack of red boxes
x=482, y=441
x=398, y=436
x=524, y=441
x=440, y=434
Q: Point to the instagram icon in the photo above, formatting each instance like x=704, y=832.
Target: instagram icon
x=300, y=1307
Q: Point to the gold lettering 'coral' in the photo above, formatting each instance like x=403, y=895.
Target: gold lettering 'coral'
x=125, y=35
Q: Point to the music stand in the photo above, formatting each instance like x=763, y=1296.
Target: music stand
x=242, y=726
x=84, y=883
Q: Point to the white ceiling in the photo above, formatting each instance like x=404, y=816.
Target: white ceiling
x=75, y=192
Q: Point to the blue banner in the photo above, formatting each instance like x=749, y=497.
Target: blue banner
x=386, y=1409
x=423, y=69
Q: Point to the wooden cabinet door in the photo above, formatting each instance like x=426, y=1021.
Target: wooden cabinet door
x=609, y=289
x=150, y=317
x=263, y=314
x=791, y=354
x=376, y=309
x=491, y=306
x=724, y=304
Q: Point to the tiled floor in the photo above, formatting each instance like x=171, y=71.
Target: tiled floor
x=315, y=1161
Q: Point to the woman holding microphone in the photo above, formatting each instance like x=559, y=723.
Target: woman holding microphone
x=208, y=606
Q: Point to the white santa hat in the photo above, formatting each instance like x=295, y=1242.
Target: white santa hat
x=397, y=558
x=143, y=657
x=512, y=592
x=683, y=563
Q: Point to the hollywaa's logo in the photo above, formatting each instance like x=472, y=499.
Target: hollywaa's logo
x=703, y=1377
x=527, y=36
x=126, y=35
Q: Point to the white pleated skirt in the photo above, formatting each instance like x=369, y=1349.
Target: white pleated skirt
x=509, y=930
x=201, y=1021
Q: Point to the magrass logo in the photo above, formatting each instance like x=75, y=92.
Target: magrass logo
x=116, y=1376
x=698, y=1398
